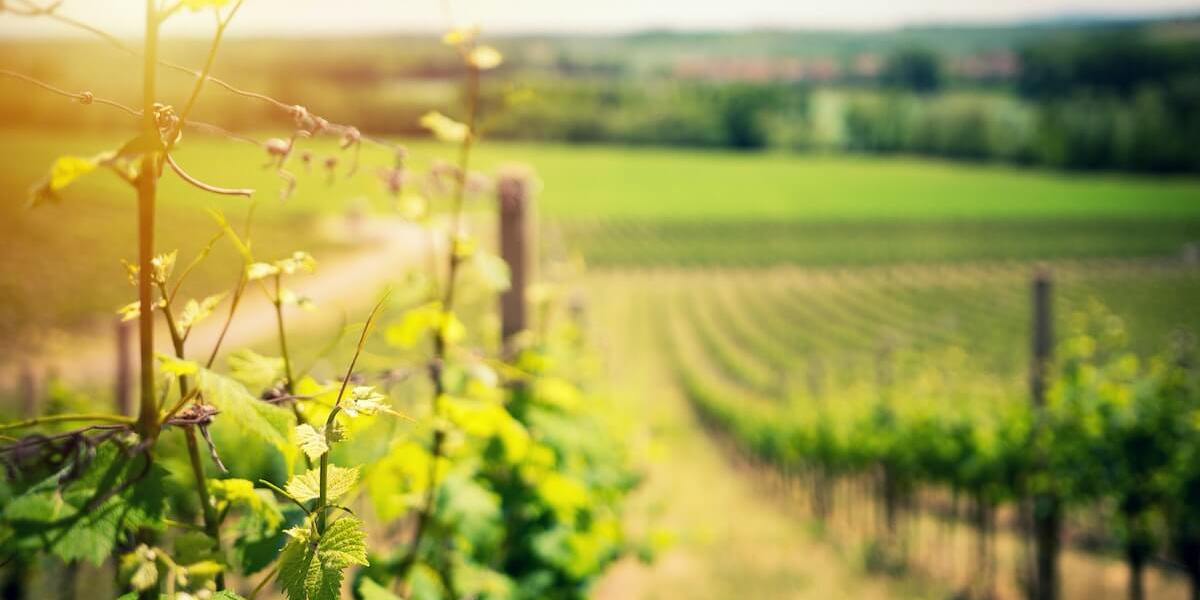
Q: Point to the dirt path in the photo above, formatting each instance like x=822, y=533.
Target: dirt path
x=339, y=287
x=731, y=540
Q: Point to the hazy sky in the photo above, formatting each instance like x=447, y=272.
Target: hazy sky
x=302, y=17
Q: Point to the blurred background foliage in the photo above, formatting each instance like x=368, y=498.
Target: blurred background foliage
x=1077, y=94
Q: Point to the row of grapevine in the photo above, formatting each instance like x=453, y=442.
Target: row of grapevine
x=908, y=383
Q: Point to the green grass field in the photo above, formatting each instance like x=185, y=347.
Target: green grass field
x=619, y=206
x=62, y=261
x=633, y=206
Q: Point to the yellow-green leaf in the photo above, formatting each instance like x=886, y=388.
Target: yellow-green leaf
x=194, y=312
x=237, y=405
x=67, y=169
x=311, y=441
x=444, y=128
x=307, y=486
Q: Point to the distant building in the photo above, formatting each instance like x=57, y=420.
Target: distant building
x=758, y=70
x=1000, y=65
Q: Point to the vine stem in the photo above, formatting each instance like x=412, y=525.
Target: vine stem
x=208, y=187
x=147, y=183
x=99, y=418
x=337, y=407
x=212, y=524
x=277, y=302
x=440, y=342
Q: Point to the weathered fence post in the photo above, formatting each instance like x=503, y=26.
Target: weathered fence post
x=513, y=189
x=123, y=378
x=1047, y=509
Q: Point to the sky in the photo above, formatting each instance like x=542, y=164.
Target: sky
x=308, y=17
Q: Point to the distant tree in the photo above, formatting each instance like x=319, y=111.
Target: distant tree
x=915, y=69
x=1120, y=63
x=742, y=109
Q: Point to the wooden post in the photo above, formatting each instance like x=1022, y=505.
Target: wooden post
x=123, y=378
x=513, y=191
x=1047, y=509
x=1043, y=337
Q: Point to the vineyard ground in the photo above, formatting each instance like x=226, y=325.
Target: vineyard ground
x=728, y=537
x=743, y=520
x=341, y=287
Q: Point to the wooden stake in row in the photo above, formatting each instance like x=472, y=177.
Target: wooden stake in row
x=514, y=189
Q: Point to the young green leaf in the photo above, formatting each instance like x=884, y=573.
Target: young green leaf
x=194, y=312
x=263, y=420
x=444, y=128
x=177, y=367
x=260, y=270
x=62, y=520
x=299, y=261
x=307, y=486
x=253, y=370
x=311, y=441
x=363, y=400
x=64, y=171
x=163, y=265
x=309, y=571
x=369, y=590
x=141, y=567
x=422, y=320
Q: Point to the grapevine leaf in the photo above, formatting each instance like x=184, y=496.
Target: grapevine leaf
x=313, y=571
x=194, y=312
x=260, y=270
x=194, y=547
x=177, y=367
x=253, y=370
x=424, y=319
x=444, y=128
x=370, y=590
x=364, y=400
x=307, y=486
x=64, y=171
x=311, y=441
x=260, y=511
x=256, y=546
x=266, y=421
x=299, y=261
x=64, y=520
x=163, y=265
x=141, y=567
x=344, y=544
